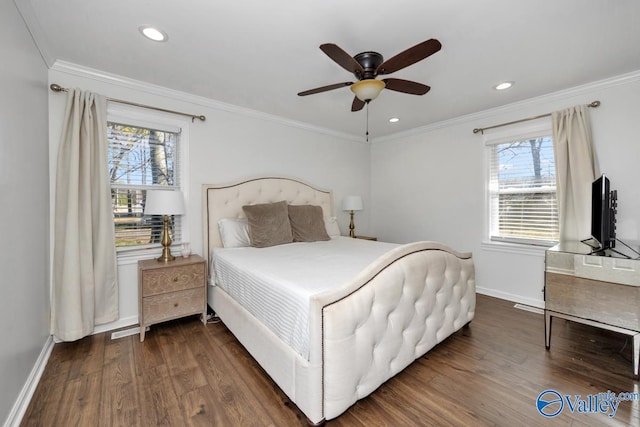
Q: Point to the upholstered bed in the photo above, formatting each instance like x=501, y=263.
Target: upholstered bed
x=361, y=332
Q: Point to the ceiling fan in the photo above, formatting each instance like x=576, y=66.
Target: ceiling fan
x=366, y=66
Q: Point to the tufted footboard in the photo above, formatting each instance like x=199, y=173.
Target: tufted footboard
x=393, y=313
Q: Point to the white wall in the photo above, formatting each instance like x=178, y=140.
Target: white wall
x=426, y=184
x=24, y=300
x=429, y=184
x=232, y=144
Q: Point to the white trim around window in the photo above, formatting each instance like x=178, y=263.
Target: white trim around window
x=142, y=117
x=528, y=130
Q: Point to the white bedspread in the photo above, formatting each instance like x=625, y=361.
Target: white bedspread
x=274, y=284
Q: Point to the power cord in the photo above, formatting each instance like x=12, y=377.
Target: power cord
x=621, y=351
x=211, y=318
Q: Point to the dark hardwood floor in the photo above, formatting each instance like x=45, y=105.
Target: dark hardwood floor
x=187, y=374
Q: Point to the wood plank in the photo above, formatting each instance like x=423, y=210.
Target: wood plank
x=201, y=409
x=272, y=399
x=119, y=404
x=81, y=403
x=178, y=357
x=235, y=399
x=160, y=403
x=50, y=390
x=88, y=355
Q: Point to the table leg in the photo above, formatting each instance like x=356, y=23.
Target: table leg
x=636, y=354
x=547, y=330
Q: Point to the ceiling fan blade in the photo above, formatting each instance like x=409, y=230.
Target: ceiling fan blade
x=409, y=57
x=324, y=88
x=406, y=86
x=357, y=104
x=342, y=58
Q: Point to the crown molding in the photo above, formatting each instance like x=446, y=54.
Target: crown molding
x=132, y=84
x=581, y=90
x=149, y=88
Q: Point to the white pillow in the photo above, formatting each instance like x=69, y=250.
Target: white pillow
x=234, y=233
x=331, y=224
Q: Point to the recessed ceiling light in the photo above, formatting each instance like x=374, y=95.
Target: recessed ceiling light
x=153, y=33
x=503, y=86
x=394, y=120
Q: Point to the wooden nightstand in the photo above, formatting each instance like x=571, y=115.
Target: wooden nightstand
x=366, y=238
x=171, y=290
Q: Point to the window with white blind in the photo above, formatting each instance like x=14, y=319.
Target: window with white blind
x=522, y=199
x=142, y=155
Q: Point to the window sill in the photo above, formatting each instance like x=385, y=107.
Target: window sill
x=514, y=248
x=132, y=256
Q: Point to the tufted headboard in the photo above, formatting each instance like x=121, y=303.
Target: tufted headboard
x=226, y=201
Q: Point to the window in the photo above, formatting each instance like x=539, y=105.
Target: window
x=522, y=199
x=142, y=156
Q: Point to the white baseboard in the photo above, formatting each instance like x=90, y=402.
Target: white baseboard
x=120, y=323
x=108, y=327
x=24, y=398
x=511, y=297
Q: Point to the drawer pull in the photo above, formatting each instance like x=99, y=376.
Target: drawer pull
x=175, y=304
x=175, y=279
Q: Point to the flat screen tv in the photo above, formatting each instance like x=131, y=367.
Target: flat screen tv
x=603, y=212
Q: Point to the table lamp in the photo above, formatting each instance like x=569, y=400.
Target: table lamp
x=165, y=203
x=351, y=204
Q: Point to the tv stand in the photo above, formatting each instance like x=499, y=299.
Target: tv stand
x=601, y=291
x=609, y=250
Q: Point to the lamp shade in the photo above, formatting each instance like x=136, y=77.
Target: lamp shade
x=352, y=203
x=164, y=202
x=368, y=89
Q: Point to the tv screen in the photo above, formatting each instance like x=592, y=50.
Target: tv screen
x=602, y=213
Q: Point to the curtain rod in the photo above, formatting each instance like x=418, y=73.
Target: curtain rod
x=594, y=104
x=57, y=88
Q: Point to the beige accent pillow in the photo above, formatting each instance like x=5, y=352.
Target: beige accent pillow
x=307, y=223
x=268, y=224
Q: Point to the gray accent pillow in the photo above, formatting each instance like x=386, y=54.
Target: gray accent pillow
x=307, y=223
x=268, y=224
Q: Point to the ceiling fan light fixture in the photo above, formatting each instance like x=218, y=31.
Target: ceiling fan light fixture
x=367, y=90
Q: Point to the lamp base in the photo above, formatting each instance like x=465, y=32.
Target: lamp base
x=352, y=227
x=166, y=241
x=166, y=255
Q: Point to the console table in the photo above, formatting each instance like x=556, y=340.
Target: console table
x=597, y=290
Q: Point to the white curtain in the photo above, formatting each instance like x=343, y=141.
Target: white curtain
x=576, y=168
x=85, y=289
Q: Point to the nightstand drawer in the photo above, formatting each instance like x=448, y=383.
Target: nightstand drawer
x=160, y=281
x=172, y=305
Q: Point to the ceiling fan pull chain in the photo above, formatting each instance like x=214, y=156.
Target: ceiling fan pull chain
x=367, y=130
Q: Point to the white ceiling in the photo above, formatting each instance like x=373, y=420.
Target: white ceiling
x=259, y=54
